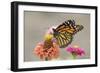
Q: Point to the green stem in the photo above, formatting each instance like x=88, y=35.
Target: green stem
x=74, y=56
x=46, y=59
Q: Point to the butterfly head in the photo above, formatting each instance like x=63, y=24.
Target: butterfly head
x=55, y=32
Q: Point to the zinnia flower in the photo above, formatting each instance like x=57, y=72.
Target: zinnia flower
x=49, y=34
x=46, y=54
x=75, y=51
x=48, y=49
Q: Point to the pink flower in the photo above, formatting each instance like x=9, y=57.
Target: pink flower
x=50, y=31
x=76, y=51
x=46, y=54
x=48, y=49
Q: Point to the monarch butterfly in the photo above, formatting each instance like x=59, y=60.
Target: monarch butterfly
x=65, y=31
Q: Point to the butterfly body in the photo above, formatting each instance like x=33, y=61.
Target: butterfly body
x=64, y=32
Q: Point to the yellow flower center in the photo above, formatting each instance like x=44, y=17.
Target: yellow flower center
x=48, y=36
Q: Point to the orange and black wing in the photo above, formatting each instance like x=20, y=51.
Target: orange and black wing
x=69, y=27
x=63, y=39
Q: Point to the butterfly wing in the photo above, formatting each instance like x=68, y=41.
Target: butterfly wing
x=60, y=27
x=63, y=39
x=69, y=26
x=65, y=31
